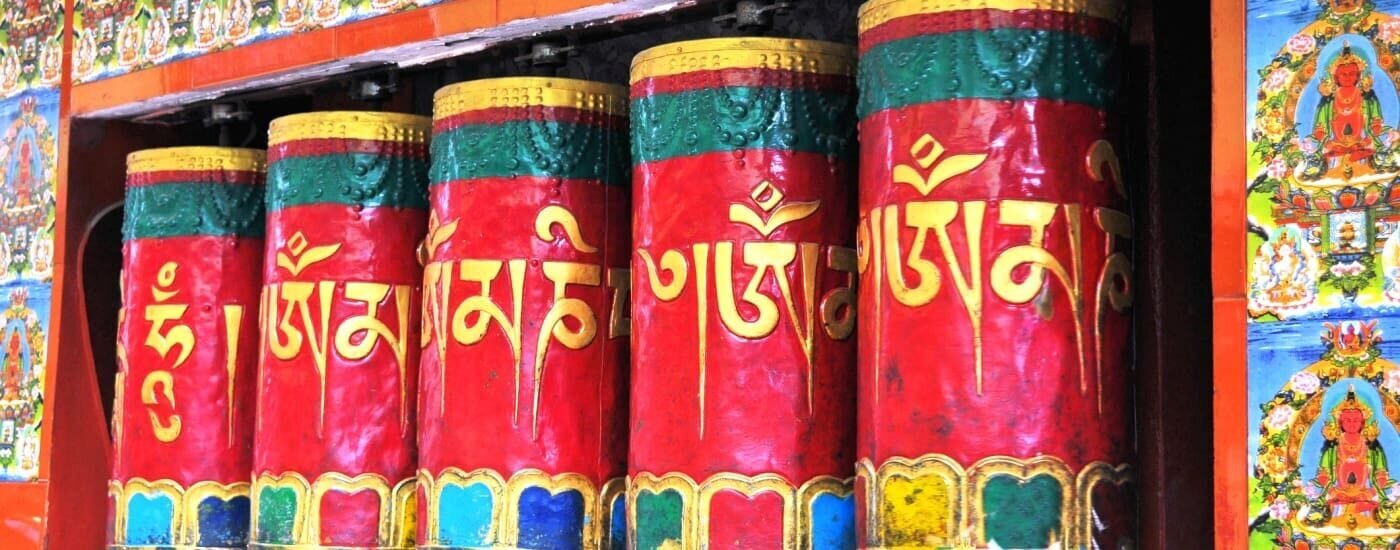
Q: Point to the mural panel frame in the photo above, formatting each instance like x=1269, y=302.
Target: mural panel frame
x=28, y=182
x=1304, y=289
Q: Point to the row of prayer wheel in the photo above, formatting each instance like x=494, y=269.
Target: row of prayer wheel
x=513, y=326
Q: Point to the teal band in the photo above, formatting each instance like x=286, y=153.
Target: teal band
x=183, y=209
x=997, y=64
x=733, y=118
x=531, y=148
x=351, y=179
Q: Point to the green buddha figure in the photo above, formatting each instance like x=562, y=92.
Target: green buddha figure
x=1348, y=122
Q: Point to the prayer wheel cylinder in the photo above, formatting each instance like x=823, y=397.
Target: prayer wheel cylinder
x=994, y=239
x=744, y=273
x=182, y=423
x=346, y=209
x=523, y=404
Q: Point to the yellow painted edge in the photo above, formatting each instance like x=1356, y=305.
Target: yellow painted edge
x=195, y=158
x=349, y=125
x=806, y=56
x=529, y=91
x=878, y=12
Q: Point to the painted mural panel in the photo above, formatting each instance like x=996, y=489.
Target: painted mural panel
x=31, y=45
x=113, y=37
x=1324, y=272
x=28, y=164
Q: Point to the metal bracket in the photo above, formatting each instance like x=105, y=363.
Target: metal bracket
x=224, y=115
x=221, y=114
x=548, y=54
x=753, y=15
x=374, y=89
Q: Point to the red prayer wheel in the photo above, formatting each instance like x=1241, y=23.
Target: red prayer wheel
x=187, y=347
x=744, y=274
x=346, y=210
x=523, y=403
x=994, y=242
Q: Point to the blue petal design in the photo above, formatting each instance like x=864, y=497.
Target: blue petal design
x=149, y=520
x=833, y=522
x=618, y=527
x=551, y=521
x=223, y=523
x=464, y=515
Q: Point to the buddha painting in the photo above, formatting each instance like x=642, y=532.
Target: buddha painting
x=326, y=10
x=1348, y=122
x=41, y=256
x=292, y=13
x=9, y=73
x=1346, y=6
x=13, y=378
x=1286, y=271
x=240, y=19
x=129, y=43
x=157, y=35
x=1353, y=473
x=33, y=9
x=84, y=56
x=23, y=184
x=206, y=24
x=1285, y=275
x=51, y=61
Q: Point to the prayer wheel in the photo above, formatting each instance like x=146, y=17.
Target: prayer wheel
x=182, y=424
x=346, y=209
x=523, y=404
x=743, y=408
x=994, y=243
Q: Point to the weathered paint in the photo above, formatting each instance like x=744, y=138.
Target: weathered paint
x=523, y=403
x=742, y=403
x=182, y=424
x=994, y=290
x=335, y=456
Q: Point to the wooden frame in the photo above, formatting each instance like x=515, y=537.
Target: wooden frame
x=1228, y=273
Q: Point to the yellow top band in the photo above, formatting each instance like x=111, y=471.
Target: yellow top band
x=350, y=125
x=787, y=54
x=529, y=91
x=874, y=13
x=196, y=158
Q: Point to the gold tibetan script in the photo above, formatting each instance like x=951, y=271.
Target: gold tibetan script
x=296, y=315
x=167, y=332
x=1019, y=274
x=570, y=321
x=782, y=261
x=173, y=339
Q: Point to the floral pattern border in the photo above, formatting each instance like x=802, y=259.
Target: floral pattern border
x=113, y=37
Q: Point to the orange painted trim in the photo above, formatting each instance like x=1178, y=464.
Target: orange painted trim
x=1229, y=150
x=65, y=84
x=75, y=449
x=1231, y=426
x=221, y=69
x=260, y=59
x=461, y=16
x=25, y=515
x=1228, y=166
